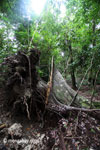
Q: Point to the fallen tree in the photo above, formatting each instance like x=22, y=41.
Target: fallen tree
x=65, y=94
x=27, y=93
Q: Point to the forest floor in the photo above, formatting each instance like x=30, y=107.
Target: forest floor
x=86, y=91
x=76, y=131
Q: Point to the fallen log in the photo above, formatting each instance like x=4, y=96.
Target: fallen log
x=64, y=94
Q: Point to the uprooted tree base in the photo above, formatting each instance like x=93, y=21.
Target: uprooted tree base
x=23, y=92
x=28, y=94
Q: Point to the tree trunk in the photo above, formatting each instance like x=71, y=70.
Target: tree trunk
x=65, y=94
x=91, y=78
x=72, y=68
x=62, y=95
x=73, y=80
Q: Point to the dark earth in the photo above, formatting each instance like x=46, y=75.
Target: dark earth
x=78, y=131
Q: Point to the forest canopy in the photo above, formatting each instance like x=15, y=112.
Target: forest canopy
x=72, y=37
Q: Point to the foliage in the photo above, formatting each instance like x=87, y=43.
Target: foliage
x=51, y=33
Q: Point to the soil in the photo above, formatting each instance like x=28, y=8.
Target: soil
x=78, y=130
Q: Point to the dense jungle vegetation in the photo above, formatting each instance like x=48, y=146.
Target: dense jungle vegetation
x=72, y=38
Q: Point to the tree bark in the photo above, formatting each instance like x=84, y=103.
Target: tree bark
x=91, y=78
x=65, y=94
x=72, y=68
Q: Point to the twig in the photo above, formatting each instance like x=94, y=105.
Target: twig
x=70, y=138
x=61, y=139
x=81, y=109
x=77, y=121
x=30, y=76
x=94, y=88
x=27, y=109
x=82, y=81
x=50, y=82
x=29, y=46
x=57, y=113
x=64, y=108
x=67, y=63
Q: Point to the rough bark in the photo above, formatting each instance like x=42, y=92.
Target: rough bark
x=23, y=95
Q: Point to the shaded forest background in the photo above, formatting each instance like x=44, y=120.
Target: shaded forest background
x=73, y=39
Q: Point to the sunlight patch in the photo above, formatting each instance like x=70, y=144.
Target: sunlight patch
x=37, y=5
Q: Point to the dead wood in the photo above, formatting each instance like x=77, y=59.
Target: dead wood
x=50, y=82
x=61, y=139
x=3, y=126
x=28, y=94
x=23, y=94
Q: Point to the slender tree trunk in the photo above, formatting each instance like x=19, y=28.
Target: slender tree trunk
x=91, y=73
x=72, y=68
x=73, y=80
x=94, y=28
